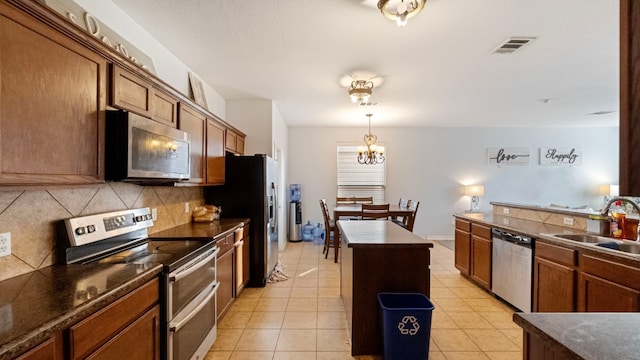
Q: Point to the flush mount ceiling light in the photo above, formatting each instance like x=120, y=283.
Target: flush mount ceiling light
x=400, y=11
x=360, y=90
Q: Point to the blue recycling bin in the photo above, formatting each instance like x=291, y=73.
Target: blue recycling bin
x=406, y=325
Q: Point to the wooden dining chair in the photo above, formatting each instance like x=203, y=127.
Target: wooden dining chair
x=354, y=200
x=374, y=212
x=402, y=203
x=408, y=221
x=329, y=232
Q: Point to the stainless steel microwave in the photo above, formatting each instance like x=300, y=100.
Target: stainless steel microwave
x=139, y=149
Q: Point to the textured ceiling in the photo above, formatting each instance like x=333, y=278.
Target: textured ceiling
x=438, y=70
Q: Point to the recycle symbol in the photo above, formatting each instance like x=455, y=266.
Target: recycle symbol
x=408, y=325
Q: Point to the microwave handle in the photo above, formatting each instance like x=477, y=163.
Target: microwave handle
x=190, y=270
x=177, y=326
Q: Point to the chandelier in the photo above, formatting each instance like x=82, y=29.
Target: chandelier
x=403, y=10
x=371, y=154
x=360, y=90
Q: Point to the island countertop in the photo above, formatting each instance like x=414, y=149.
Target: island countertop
x=588, y=336
x=375, y=233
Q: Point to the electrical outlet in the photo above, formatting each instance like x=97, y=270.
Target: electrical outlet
x=154, y=214
x=568, y=221
x=505, y=210
x=186, y=207
x=5, y=244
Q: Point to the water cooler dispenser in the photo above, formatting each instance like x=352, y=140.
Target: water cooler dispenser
x=295, y=213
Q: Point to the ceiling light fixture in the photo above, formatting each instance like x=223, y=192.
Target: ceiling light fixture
x=371, y=154
x=360, y=90
x=403, y=10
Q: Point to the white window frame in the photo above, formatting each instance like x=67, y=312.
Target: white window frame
x=359, y=180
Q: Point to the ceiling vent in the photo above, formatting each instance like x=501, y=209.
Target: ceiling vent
x=512, y=45
x=368, y=103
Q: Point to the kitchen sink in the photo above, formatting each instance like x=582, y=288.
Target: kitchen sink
x=628, y=247
x=585, y=238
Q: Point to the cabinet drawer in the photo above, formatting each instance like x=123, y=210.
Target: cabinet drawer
x=481, y=231
x=98, y=328
x=617, y=273
x=463, y=225
x=556, y=254
x=46, y=350
x=225, y=243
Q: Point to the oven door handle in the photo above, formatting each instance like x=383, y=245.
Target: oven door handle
x=191, y=267
x=176, y=326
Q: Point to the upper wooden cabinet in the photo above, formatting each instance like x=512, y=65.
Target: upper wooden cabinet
x=234, y=142
x=215, y=152
x=133, y=93
x=52, y=105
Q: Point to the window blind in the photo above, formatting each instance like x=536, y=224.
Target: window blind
x=355, y=179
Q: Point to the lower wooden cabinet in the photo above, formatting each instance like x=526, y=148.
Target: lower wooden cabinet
x=607, y=286
x=481, y=250
x=225, y=272
x=45, y=351
x=462, y=252
x=554, y=278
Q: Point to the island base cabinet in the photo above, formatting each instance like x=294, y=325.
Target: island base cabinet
x=535, y=349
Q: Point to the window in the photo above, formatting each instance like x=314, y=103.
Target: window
x=355, y=179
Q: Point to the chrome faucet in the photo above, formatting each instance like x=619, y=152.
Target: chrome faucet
x=605, y=209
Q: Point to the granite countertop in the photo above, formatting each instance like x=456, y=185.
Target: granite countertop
x=35, y=305
x=207, y=230
x=588, y=336
x=378, y=233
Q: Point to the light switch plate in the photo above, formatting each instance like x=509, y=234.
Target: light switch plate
x=505, y=210
x=154, y=214
x=568, y=221
x=5, y=244
x=186, y=207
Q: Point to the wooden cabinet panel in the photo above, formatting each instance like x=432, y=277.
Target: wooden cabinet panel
x=164, y=108
x=481, y=249
x=462, y=251
x=144, y=333
x=194, y=123
x=599, y=295
x=246, y=270
x=557, y=254
x=240, y=145
x=52, y=105
x=44, y=351
x=554, y=286
x=225, y=269
x=230, y=142
x=130, y=92
x=215, y=152
x=88, y=335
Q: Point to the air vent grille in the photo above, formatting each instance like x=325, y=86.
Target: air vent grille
x=512, y=44
x=369, y=103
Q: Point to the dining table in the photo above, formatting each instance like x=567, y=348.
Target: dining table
x=350, y=211
x=378, y=256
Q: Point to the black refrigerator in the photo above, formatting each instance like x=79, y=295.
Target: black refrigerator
x=250, y=191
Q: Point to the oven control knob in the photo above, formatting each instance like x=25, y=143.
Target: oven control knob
x=80, y=231
x=91, y=228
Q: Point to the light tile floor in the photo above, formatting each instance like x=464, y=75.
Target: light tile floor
x=303, y=317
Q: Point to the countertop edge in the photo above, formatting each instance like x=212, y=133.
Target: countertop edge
x=45, y=331
x=547, y=339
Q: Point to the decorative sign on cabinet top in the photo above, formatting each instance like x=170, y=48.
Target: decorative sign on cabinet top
x=560, y=156
x=83, y=19
x=508, y=156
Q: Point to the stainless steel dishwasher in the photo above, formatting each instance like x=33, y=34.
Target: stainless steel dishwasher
x=512, y=268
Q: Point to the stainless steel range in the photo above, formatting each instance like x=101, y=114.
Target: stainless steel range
x=188, y=281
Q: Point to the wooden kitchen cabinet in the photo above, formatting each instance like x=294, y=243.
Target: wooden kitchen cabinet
x=215, y=152
x=225, y=273
x=50, y=349
x=462, y=246
x=242, y=265
x=110, y=332
x=554, y=278
x=607, y=286
x=481, y=250
x=164, y=108
x=195, y=124
x=52, y=105
x=234, y=142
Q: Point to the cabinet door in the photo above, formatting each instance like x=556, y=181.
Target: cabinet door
x=246, y=270
x=554, y=286
x=240, y=145
x=225, y=268
x=52, y=105
x=194, y=123
x=600, y=295
x=130, y=92
x=481, y=261
x=230, y=142
x=463, y=251
x=144, y=333
x=164, y=108
x=215, y=152
x=44, y=351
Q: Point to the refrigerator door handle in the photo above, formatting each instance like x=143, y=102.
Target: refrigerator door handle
x=274, y=207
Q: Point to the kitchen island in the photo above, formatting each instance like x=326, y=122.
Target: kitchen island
x=378, y=256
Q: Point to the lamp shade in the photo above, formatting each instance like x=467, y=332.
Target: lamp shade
x=474, y=190
x=609, y=190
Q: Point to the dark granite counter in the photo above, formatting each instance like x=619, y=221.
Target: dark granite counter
x=33, y=306
x=378, y=233
x=208, y=230
x=588, y=336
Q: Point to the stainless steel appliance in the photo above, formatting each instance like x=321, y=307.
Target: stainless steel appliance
x=250, y=191
x=139, y=149
x=512, y=268
x=188, y=281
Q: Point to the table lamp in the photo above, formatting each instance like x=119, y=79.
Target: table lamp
x=475, y=191
x=609, y=191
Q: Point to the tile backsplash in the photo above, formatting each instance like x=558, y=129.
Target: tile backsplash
x=33, y=216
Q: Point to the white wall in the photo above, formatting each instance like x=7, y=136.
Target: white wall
x=254, y=118
x=280, y=130
x=431, y=164
x=168, y=67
